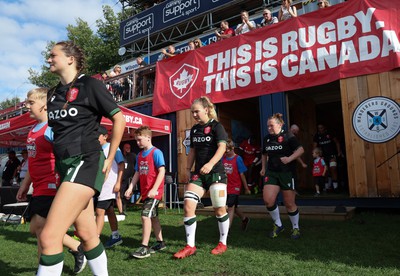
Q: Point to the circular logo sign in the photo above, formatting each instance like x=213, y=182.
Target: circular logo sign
x=377, y=119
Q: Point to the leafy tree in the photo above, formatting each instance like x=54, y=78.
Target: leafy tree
x=9, y=103
x=101, y=49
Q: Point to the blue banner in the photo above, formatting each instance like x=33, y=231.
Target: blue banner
x=162, y=16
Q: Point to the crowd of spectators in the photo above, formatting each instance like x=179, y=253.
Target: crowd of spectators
x=119, y=87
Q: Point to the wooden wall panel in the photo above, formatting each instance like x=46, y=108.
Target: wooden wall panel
x=365, y=179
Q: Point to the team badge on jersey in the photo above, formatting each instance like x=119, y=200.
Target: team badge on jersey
x=280, y=139
x=144, y=168
x=72, y=94
x=207, y=130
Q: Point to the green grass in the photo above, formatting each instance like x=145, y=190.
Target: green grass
x=368, y=244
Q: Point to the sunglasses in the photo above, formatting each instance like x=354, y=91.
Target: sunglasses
x=319, y=3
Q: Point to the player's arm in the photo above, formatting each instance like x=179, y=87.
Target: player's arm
x=132, y=185
x=23, y=190
x=121, y=168
x=217, y=156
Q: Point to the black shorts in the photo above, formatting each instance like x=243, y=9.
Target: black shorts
x=105, y=204
x=232, y=200
x=320, y=181
x=39, y=205
x=150, y=208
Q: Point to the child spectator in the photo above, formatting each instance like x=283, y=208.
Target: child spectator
x=41, y=165
x=319, y=170
x=150, y=171
x=234, y=169
x=109, y=191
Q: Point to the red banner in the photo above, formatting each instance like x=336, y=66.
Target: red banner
x=346, y=40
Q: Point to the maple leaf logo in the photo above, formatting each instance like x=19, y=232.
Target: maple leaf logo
x=183, y=81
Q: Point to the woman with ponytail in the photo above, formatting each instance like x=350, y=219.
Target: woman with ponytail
x=207, y=146
x=75, y=108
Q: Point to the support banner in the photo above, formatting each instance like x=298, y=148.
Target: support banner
x=346, y=40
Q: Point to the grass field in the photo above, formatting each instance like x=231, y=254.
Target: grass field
x=368, y=244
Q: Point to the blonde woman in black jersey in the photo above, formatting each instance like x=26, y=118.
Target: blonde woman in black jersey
x=75, y=108
x=207, y=146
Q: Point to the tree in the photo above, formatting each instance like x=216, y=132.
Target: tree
x=101, y=49
x=9, y=103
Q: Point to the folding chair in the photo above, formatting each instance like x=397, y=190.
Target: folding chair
x=171, y=193
x=10, y=217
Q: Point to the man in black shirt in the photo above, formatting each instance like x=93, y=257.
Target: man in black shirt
x=10, y=169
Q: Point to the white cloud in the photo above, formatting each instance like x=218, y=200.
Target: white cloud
x=26, y=27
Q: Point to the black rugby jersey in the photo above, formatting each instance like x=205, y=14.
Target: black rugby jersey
x=204, y=139
x=326, y=143
x=75, y=127
x=277, y=146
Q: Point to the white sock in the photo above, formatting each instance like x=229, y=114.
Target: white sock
x=51, y=270
x=294, y=219
x=190, y=231
x=276, y=218
x=115, y=234
x=98, y=265
x=335, y=185
x=223, y=228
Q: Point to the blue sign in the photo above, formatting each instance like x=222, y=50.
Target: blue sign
x=162, y=16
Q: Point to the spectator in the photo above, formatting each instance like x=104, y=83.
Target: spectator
x=323, y=4
x=246, y=25
x=268, y=19
x=23, y=167
x=197, y=43
x=286, y=11
x=117, y=85
x=10, y=169
x=225, y=32
x=116, y=71
x=140, y=61
x=170, y=53
x=191, y=45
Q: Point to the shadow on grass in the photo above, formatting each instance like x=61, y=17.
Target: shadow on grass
x=363, y=241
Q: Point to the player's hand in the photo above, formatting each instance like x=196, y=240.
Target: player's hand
x=206, y=169
x=21, y=195
x=152, y=193
x=247, y=192
x=117, y=188
x=262, y=172
x=128, y=193
x=106, y=168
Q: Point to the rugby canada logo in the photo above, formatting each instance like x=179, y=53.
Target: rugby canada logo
x=376, y=119
x=183, y=80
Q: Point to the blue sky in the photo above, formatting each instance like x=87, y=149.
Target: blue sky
x=27, y=26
